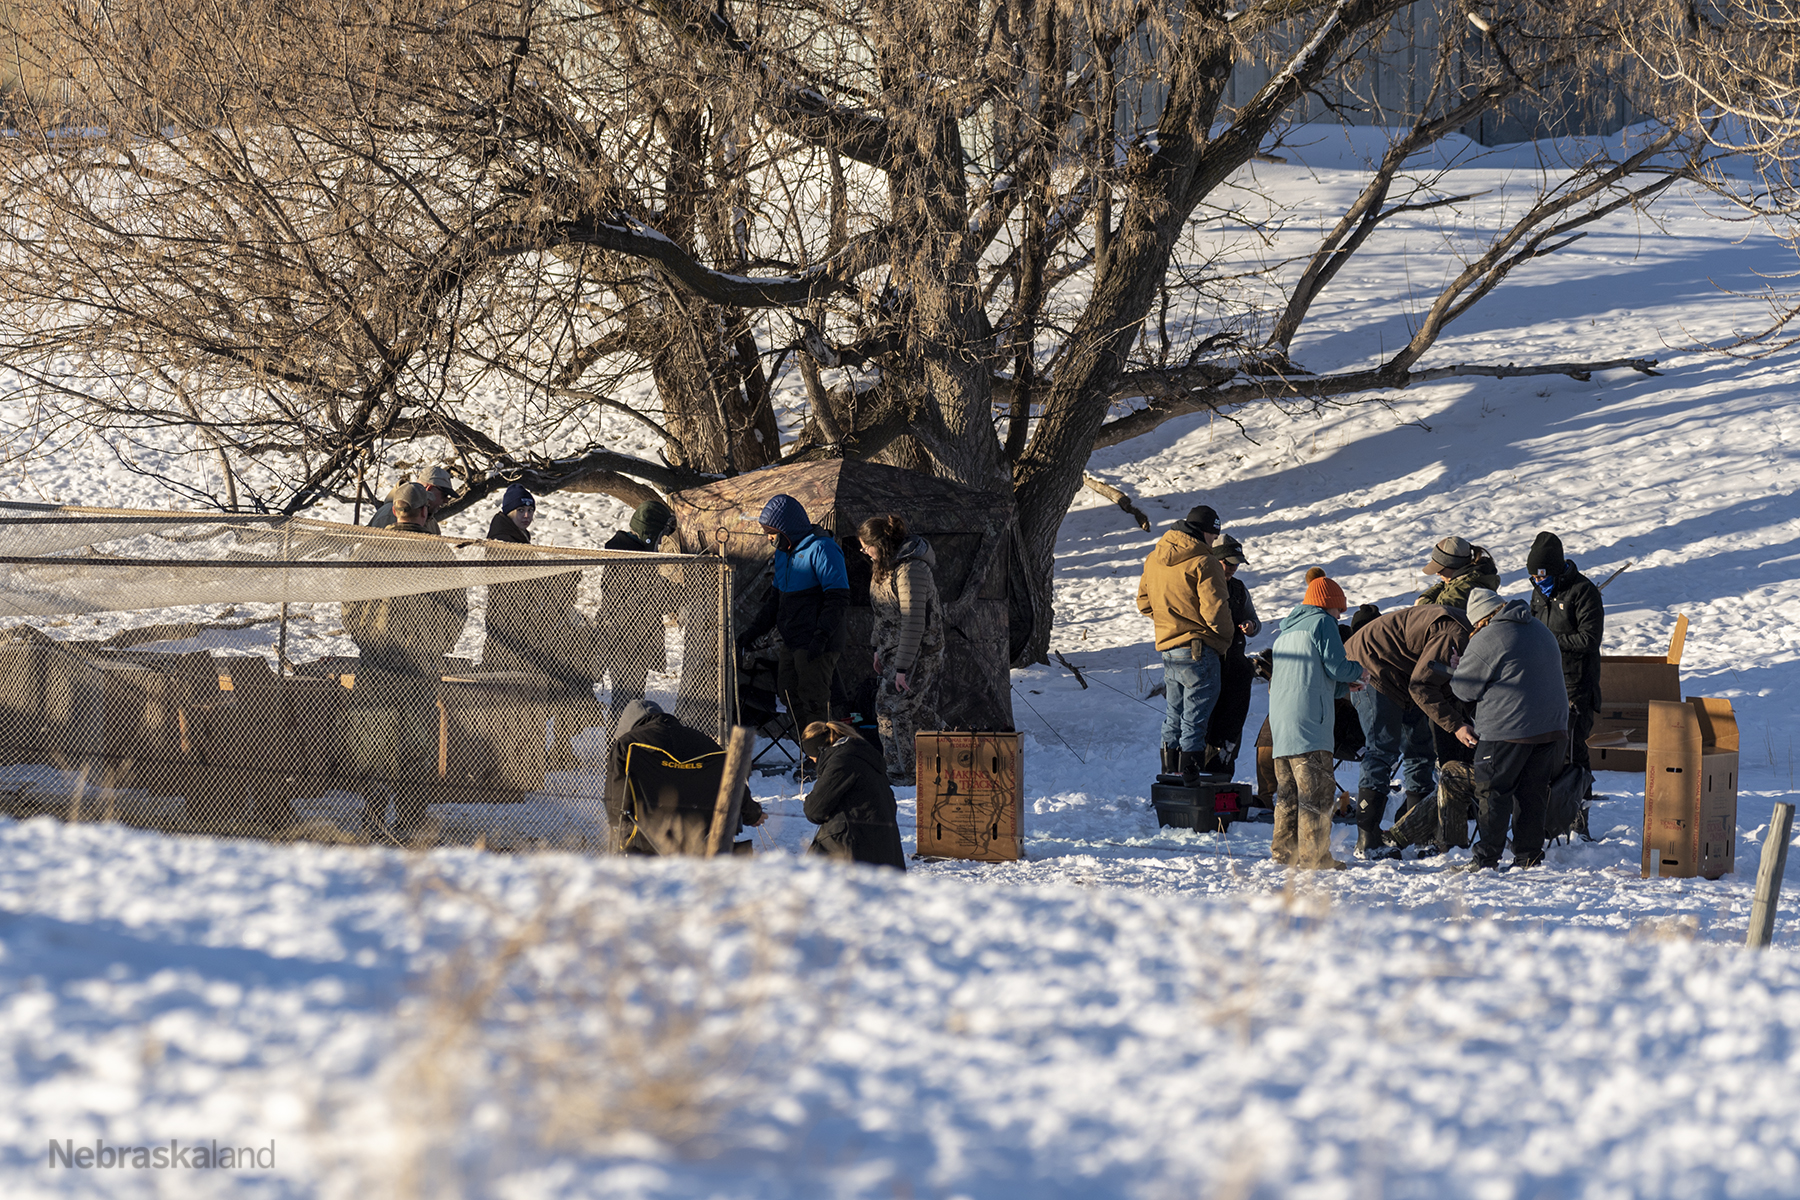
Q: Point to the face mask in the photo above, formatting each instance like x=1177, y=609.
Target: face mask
x=1545, y=585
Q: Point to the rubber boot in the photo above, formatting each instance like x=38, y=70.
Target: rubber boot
x=1371, y=806
x=1315, y=843
x=1418, y=826
x=1190, y=767
x=1456, y=803
x=1286, y=842
x=1414, y=799
x=1171, y=762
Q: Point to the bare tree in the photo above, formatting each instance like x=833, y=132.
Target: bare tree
x=303, y=232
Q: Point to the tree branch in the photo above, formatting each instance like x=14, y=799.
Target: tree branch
x=1165, y=407
x=1117, y=497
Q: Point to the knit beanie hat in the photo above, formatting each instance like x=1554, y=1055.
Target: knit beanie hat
x=1202, y=519
x=517, y=497
x=651, y=520
x=1450, y=554
x=1324, y=593
x=1547, y=553
x=1483, y=603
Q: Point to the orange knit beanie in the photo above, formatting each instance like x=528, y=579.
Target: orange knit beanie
x=1323, y=593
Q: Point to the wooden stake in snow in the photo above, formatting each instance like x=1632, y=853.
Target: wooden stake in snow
x=1768, y=876
x=731, y=790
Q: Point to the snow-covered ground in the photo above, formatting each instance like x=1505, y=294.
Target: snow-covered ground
x=1130, y=1012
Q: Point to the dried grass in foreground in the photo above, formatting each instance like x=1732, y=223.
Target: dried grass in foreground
x=632, y=1023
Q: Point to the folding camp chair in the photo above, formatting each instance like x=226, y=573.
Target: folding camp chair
x=670, y=802
x=760, y=709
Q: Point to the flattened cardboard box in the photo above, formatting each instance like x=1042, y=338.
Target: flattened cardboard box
x=1690, y=789
x=1629, y=684
x=971, y=795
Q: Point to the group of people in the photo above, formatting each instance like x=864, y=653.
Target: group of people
x=1479, y=701
x=403, y=641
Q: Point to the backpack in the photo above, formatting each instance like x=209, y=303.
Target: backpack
x=1565, y=815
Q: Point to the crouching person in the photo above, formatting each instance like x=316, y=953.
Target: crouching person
x=852, y=802
x=1512, y=674
x=662, y=784
x=1309, y=674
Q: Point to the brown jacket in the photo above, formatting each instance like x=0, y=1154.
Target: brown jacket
x=1183, y=589
x=1406, y=656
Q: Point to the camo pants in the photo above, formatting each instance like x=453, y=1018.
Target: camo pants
x=900, y=715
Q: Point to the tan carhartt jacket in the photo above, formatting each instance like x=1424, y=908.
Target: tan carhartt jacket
x=1183, y=589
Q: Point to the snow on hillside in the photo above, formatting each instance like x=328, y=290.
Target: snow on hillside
x=1131, y=1012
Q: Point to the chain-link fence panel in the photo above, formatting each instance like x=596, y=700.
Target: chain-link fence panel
x=286, y=677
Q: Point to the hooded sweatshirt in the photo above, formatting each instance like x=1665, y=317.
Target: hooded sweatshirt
x=1310, y=673
x=1183, y=590
x=1512, y=674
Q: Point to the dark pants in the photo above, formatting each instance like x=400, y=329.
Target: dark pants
x=1393, y=735
x=1448, y=748
x=804, y=680
x=1509, y=774
x=1225, y=728
x=1581, y=724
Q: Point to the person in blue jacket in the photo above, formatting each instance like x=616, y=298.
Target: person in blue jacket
x=805, y=607
x=1310, y=673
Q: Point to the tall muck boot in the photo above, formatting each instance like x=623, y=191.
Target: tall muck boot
x=1371, y=806
x=1190, y=767
x=1418, y=826
x=1171, y=763
x=1456, y=803
x=1315, y=843
x=1286, y=841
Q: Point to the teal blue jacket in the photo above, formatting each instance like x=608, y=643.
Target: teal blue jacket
x=1309, y=675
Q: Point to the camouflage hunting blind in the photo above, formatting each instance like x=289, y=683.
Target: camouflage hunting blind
x=287, y=677
x=971, y=533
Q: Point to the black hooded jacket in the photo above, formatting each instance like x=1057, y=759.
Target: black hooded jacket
x=853, y=806
x=1573, y=611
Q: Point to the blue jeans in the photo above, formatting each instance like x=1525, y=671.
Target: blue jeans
x=1393, y=735
x=1191, y=682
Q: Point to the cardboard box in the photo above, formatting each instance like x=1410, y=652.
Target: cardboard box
x=971, y=795
x=1629, y=684
x=1690, y=789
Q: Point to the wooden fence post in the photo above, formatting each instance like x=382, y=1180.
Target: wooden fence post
x=1768, y=876
x=731, y=790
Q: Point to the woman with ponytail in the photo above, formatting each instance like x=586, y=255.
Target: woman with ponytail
x=852, y=803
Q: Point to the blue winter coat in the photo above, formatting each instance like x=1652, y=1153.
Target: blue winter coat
x=1309, y=675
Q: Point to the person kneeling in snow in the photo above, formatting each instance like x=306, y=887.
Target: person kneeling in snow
x=1308, y=675
x=852, y=802
x=1512, y=673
